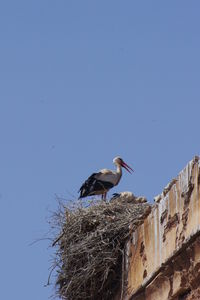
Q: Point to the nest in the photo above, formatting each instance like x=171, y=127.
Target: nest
x=90, y=247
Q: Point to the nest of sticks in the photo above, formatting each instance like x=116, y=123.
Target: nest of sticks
x=90, y=246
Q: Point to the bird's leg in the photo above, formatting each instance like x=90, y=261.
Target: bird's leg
x=103, y=197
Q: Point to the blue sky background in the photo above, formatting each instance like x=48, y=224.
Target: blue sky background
x=82, y=82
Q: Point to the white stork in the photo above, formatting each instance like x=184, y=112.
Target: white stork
x=100, y=183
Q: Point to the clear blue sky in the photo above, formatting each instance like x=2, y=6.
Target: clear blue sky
x=82, y=82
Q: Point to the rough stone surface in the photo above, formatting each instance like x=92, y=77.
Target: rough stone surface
x=158, y=289
x=163, y=254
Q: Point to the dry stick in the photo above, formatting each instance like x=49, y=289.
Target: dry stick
x=59, y=237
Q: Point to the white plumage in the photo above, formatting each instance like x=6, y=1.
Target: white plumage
x=101, y=182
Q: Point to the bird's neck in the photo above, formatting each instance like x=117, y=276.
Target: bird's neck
x=119, y=170
x=119, y=173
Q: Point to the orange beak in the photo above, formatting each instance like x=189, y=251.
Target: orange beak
x=127, y=167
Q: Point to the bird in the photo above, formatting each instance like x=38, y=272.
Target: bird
x=101, y=182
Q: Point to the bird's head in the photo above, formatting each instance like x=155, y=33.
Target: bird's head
x=118, y=161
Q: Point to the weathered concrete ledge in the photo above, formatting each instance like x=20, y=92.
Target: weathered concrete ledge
x=162, y=257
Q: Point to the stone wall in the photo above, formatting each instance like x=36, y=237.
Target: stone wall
x=162, y=257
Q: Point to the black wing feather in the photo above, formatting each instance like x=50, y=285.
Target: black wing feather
x=92, y=185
